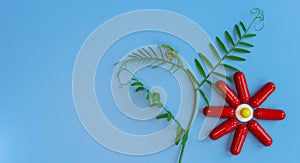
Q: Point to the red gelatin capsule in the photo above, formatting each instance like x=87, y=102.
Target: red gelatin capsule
x=262, y=95
x=224, y=128
x=242, y=87
x=229, y=95
x=219, y=111
x=259, y=133
x=269, y=114
x=239, y=139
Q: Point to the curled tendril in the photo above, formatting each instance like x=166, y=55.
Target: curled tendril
x=119, y=79
x=259, y=16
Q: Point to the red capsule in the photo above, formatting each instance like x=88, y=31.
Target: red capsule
x=219, y=111
x=262, y=95
x=242, y=87
x=229, y=95
x=239, y=139
x=269, y=114
x=224, y=128
x=259, y=133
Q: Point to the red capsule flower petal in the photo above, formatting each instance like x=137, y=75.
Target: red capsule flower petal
x=269, y=114
x=239, y=139
x=224, y=128
x=260, y=133
x=219, y=111
x=242, y=87
x=262, y=95
x=228, y=94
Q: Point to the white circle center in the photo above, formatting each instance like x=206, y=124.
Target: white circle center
x=238, y=113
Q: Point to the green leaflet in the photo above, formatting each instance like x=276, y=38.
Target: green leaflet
x=237, y=30
x=229, y=38
x=139, y=89
x=249, y=35
x=200, y=68
x=161, y=116
x=230, y=67
x=206, y=61
x=246, y=44
x=221, y=44
x=243, y=26
x=215, y=51
x=204, y=97
x=213, y=86
x=179, y=133
x=223, y=76
x=137, y=83
x=235, y=58
x=240, y=50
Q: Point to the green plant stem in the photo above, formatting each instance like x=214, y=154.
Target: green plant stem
x=181, y=152
x=225, y=56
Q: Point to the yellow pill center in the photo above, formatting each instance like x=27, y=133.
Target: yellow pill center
x=245, y=112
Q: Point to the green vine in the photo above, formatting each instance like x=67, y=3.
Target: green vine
x=154, y=98
x=167, y=55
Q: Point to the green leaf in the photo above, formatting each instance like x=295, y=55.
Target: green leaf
x=237, y=30
x=229, y=38
x=137, y=83
x=221, y=44
x=213, y=86
x=161, y=116
x=243, y=26
x=223, y=76
x=215, y=51
x=235, y=58
x=200, y=69
x=179, y=133
x=148, y=95
x=139, y=89
x=205, y=60
x=246, y=44
x=204, y=97
x=185, y=138
x=240, y=50
x=155, y=97
x=230, y=67
x=169, y=116
x=249, y=35
x=192, y=76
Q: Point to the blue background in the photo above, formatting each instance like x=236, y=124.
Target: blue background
x=39, y=42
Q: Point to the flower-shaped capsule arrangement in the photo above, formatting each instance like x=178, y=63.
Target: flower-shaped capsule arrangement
x=241, y=113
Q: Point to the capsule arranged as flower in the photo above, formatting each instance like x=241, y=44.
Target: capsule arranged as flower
x=242, y=87
x=243, y=112
x=239, y=139
x=229, y=95
x=219, y=111
x=262, y=95
x=260, y=133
